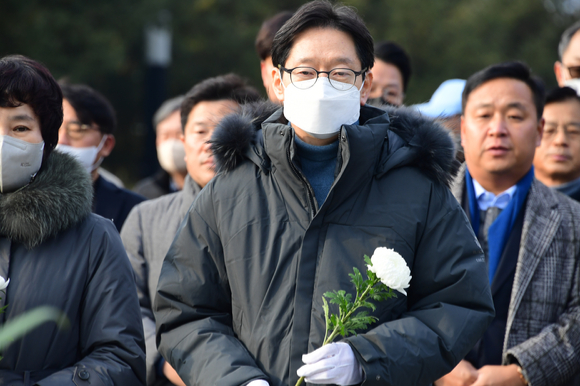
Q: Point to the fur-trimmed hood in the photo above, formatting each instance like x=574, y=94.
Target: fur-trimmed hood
x=413, y=139
x=59, y=197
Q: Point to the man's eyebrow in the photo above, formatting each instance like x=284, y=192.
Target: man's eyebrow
x=345, y=59
x=517, y=105
x=309, y=60
x=482, y=104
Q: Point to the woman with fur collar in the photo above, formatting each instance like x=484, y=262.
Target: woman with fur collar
x=56, y=252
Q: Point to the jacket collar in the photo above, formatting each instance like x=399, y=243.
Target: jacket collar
x=189, y=191
x=395, y=137
x=190, y=187
x=363, y=143
x=59, y=197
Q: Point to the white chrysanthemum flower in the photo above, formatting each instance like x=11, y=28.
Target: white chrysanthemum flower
x=391, y=269
x=3, y=283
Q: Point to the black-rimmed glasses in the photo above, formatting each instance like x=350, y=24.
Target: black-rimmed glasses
x=305, y=77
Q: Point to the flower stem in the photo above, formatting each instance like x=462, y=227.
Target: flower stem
x=345, y=317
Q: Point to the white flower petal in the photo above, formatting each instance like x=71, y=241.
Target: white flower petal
x=3, y=283
x=391, y=269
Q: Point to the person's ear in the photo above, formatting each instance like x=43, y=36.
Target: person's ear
x=107, y=146
x=462, y=128
x=277, y=85
x=541, y=123
x=559, y=72
x=366, y=89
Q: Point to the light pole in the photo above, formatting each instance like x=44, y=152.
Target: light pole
x=158, y=60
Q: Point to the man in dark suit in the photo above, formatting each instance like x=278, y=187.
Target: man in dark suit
x=87, y=133
x=557, y=160
x=529, y=233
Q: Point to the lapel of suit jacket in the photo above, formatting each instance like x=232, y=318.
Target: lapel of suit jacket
x=541, y=222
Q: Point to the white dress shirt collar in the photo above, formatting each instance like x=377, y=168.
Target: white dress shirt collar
x=487, y=199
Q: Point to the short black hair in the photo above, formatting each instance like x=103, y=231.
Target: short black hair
x=512, y=70
x=561, y=94
x=223, y=87
x=90, y=106
x=323, y=14
x=566, y=37
x=392, y=53
x=268, y=31
x=26, y=81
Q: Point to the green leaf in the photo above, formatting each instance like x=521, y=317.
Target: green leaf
x=370, y=305
x=368, y=260
x=335, y=299
x=330, y=295
x=20, y=325
x=357, y=279
x=334, y=320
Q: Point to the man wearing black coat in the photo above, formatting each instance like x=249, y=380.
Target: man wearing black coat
x=302, y=193
x=87, y=134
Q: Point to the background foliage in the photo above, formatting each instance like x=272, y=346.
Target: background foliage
x=102, y=44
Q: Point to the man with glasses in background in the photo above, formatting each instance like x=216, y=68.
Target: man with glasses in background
x=302, y=192
x=557, y=159
x=567, y=69
x=87, y=133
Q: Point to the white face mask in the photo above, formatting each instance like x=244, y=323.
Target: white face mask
x=171, y=155
x=321, y=109
x=85, y=155
x=573, y=83
x=19, y=162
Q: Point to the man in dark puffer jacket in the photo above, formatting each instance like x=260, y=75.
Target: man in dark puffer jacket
x=295, y=206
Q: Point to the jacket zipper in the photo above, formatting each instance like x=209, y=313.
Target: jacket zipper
x=301, y=177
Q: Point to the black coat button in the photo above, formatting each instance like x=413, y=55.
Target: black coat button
x=84, y=375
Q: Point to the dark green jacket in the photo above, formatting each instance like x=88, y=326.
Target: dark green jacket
x=240, y=292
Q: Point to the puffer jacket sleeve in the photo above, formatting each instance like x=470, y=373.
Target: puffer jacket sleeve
x=132, y=237
x=449, y=304
x=193, y=306
x=111, y=341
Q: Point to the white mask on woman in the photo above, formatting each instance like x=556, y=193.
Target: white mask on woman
x=19, y=162
x=85, y=155
x=321, y=109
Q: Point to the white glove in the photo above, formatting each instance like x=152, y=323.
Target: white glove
x=334, y=363
x=258, y=382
